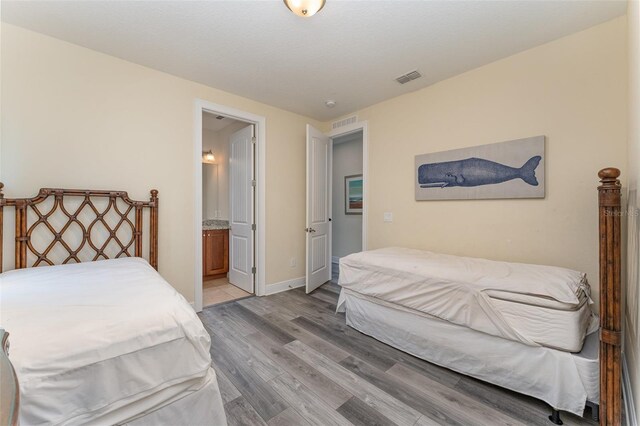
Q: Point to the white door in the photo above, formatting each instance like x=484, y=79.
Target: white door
x=318, y=228
x=241, y=232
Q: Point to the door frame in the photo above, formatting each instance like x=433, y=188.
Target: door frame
x=259, y=122
x=344, y=131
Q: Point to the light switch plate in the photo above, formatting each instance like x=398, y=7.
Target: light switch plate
x=388, y=217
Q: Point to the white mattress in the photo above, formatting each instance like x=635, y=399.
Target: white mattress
x=88, y=340
x=531, y=304
x=565, y=381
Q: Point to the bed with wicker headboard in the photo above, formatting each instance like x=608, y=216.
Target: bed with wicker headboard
x=87, y=311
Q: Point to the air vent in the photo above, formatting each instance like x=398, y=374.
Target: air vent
x=408, y=77
x=344, y=122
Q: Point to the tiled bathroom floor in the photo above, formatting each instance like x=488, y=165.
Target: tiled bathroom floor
x=219, y=290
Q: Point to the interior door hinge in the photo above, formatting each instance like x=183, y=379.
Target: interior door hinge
x=253, y=270
x=253, y=182
x=253, y=227
x=253, y=140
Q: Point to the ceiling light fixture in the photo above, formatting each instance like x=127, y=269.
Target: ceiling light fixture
x=330, y=103
x=304, y=8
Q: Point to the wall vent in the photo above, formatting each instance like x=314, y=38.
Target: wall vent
x=408, y=77
x=344, y=122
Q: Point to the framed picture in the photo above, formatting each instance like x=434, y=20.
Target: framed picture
x=513, y=169
x=353, y=194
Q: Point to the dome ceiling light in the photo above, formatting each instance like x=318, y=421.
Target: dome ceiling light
x=304, y=8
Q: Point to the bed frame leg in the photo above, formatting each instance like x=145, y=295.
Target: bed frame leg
x=555, y=417
x=595, y=412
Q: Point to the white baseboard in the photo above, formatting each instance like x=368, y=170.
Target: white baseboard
x=627, y=395
x=335, y=259
x=285, y=285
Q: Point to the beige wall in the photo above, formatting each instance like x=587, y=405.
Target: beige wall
x=70, y=112
x=572, y=90
x=73, y=117
x=632, y=341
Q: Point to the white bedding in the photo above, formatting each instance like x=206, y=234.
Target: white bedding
x=532, y=304
x=564, y=380
x=89, y=339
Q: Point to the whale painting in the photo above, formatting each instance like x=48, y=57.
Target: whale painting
x=474, y=172
x=513, y=169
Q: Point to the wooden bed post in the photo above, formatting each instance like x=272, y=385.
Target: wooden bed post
x=610, y=316
x=138, y=233
x=153, y=249
x=21, y=234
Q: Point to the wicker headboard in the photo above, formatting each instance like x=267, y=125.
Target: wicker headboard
x=76, y=225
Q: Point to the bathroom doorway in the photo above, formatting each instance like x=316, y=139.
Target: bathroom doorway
x=228, y=167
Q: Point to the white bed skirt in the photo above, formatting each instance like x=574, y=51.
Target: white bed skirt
x=199, y=405
x=565, y=381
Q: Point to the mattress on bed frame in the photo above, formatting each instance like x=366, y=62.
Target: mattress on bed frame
x=564, y=380
x=531, y=304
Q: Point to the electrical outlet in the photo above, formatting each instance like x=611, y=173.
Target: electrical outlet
x=387, y=217
x=293, y=262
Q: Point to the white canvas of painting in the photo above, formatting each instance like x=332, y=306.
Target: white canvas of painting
x=513, y=169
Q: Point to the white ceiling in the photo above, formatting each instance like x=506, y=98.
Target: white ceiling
x=351, y=51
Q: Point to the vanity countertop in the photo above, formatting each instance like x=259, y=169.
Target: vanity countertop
x=210, y=224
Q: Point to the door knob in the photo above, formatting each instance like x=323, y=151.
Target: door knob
x=310, y=230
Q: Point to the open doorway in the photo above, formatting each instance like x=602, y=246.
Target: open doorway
x=230, y=166
x=334, y=193
x=346, y=198
x=227, y=209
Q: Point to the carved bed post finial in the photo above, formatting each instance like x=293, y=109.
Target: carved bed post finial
x=153, y=249
x=610, y=174
x=609, y=197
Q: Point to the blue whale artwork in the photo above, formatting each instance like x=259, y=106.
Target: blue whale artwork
x=475, y=172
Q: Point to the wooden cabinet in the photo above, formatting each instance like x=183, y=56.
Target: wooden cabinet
x=215, y=253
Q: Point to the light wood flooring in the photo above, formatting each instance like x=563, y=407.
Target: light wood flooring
x=219, y=291
x=288, y=359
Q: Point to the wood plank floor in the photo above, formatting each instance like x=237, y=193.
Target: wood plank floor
x=288, y=359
